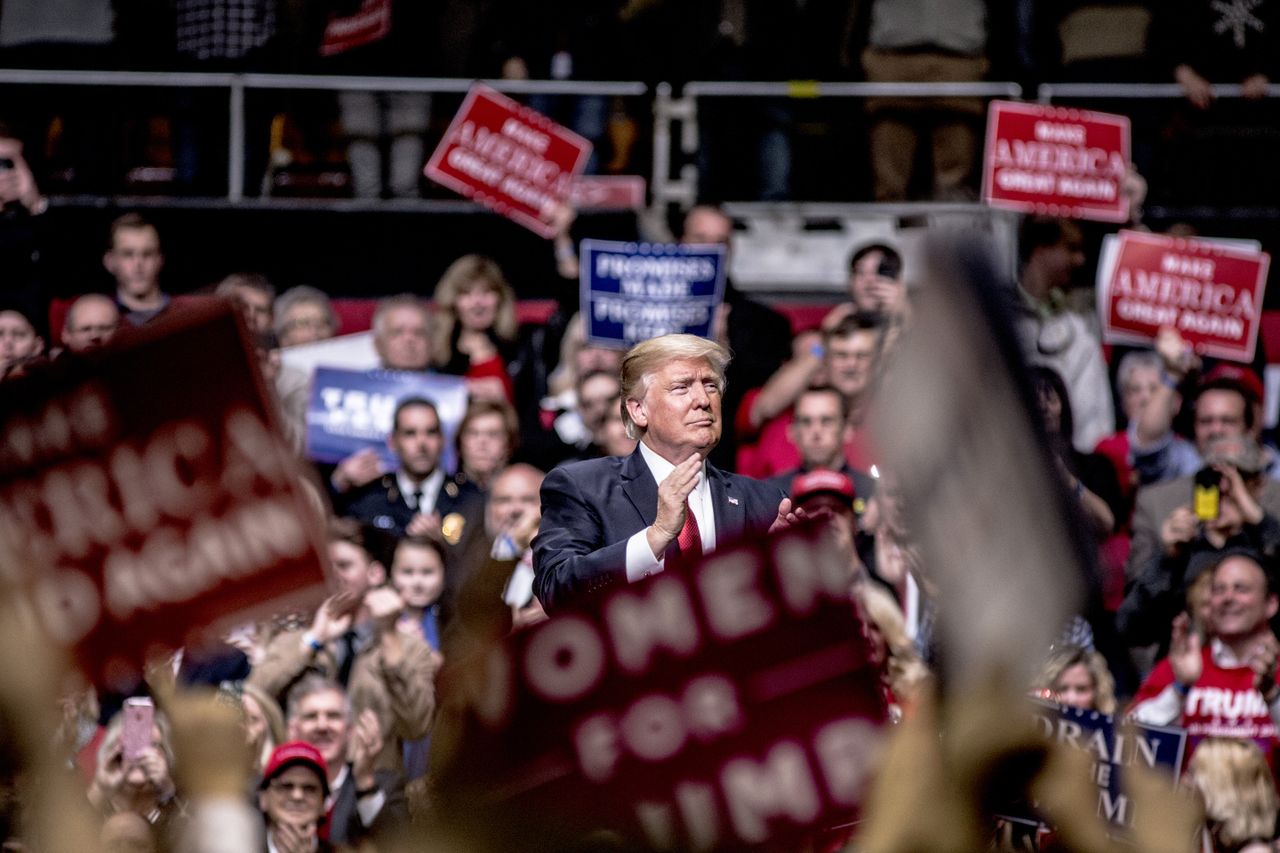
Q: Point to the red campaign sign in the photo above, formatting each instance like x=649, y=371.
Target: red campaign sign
x=509, y=158
x=608, y=192
x=146, y=495
x=731, y=704
x=370, y=23
x=1211, y=293
x=1056, y=161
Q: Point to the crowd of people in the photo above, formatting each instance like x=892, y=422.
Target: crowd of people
x=581, y=467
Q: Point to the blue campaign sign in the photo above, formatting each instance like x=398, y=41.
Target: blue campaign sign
x=635, y=291
x=1112, y=747
x=350, y=410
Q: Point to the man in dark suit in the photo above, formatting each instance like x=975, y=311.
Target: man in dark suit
x=417, y=498
x=617, y=519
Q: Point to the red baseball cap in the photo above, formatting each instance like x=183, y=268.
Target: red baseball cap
x=286, y=755
x=819, y=482
x=1245, y=380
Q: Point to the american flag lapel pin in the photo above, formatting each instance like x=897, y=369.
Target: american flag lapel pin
x=733, y=501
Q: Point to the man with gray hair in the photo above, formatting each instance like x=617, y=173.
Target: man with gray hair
x=304, y=315
x=364, y=801
x=401, y=333
x=606, y=521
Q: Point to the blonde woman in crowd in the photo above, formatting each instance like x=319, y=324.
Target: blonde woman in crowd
x=263, y=723
x=902, y=671
x=1078, y=678
x=474, y=327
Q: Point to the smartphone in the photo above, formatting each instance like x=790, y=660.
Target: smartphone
x=139, y=719
x=1206, y=493
x=889, y=268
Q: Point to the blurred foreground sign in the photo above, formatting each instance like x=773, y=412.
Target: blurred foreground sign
x=731, y=705
x=1056, y=161
x=1210, y=292
x=145, y=494
x=509, y=158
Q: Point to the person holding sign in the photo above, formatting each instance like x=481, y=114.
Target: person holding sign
x=618, y=519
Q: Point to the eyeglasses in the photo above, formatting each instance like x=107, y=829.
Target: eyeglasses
x=308, y=790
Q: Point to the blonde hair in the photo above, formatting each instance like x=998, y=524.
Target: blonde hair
x=1104, y=686
x=115, y=730
x=905, y=669
x=647, y=357
x=272, y=714
x=462, y=275
x=1235, y=784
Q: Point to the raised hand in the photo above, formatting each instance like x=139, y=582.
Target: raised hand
x=357, y=470
x=1233, y=487
x=384, y=605
x=424, y=525
x=366, y=744
x=294, y=838
x=1178, y=529
x=1262, y=660
x=1185, y=658
x=787, y=516
x=673, y=504
x=333, y=617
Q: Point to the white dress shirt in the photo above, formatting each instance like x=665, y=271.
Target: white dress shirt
x=640, y=559
x=430, y=488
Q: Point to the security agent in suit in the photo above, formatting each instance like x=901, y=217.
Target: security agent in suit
x=418, y=498
x=618, y=519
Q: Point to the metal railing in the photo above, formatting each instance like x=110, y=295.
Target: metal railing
x=1047, y=92
x=675, y=127
x=668, y=108
x=238, y=84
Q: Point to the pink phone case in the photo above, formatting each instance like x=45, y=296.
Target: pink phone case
x=136, y=734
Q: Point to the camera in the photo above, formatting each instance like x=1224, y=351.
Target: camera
x=1206, y=493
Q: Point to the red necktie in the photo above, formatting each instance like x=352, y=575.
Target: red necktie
x=689, y=542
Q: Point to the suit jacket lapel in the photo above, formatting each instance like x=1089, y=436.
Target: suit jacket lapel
x=731, y=515
x=344, y=804
x=640, y=487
